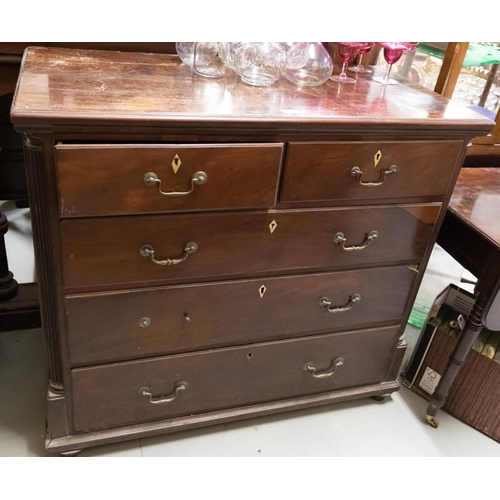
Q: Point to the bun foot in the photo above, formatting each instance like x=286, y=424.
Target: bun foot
x=72, y=453
x=379, y=398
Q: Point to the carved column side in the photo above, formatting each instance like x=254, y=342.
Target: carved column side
x=37, y=181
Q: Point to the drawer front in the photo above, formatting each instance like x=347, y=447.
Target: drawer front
x=116, y=395
x=230, y=313
x=324, y=172
x=104, y=252
x=110, y=179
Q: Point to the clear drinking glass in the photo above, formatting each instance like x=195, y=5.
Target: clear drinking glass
x=185, y=51
x=260, y=63
x=348, y=51
x=392, y=54
x=359, y=68
x=207, y=60
x=308, y=64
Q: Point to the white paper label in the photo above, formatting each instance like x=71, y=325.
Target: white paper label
x=430, y=380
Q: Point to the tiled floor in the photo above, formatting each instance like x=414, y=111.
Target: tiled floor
x=395, y=427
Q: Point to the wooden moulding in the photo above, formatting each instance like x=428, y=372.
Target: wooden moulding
x=78, y=442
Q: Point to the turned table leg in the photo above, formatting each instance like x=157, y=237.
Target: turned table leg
x=472, y=329
x=8, y=285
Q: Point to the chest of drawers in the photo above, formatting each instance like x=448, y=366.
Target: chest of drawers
x=209, y=251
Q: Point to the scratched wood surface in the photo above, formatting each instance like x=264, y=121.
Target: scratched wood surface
x=62, y=87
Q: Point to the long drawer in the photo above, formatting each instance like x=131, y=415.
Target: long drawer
x=119, y=252
x=117, y=326
x=128, y=179
x=364, y=171
x=132, y=392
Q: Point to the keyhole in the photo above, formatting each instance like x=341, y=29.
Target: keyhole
x=249, y=356
x=176, y=161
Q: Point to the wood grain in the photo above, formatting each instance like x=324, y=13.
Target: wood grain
x=108, y=396
x=103, y=253
x=106, y=327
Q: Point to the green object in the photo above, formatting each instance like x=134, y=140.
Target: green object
x=477, y=55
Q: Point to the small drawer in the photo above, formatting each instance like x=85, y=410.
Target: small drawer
x=368, y=171
x=130, y=179
x=159, y=388
x=230, y=313
x=101, y=253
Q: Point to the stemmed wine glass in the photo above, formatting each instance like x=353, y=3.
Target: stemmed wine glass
x=363, y=50
x=348, y=51
x=392, y=53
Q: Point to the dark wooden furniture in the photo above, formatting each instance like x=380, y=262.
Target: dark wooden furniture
x=471, y=234
x=282, y=275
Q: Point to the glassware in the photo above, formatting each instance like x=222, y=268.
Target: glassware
x=227, y=51
x=392, y=53
x=260, y=63
x=185, y=51
x=207, y=60
x=359, y=68
x=308, y=64
x=348, y=51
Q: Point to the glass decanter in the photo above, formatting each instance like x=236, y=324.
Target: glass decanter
x=260, y=63
x=308, y=64
x=207, y=60
x=185, y=51
x=227, y=51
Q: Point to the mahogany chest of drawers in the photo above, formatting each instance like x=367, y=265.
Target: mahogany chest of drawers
x=209, y=251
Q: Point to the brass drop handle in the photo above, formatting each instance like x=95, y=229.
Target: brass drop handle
x=148, y=251
x=309, y=367
x=178, y=387
x=356, y=172
x=325, y=302
x=340, y=239
x=199, y=178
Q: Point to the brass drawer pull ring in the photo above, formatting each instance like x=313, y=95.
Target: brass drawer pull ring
x=309, y=367
x=178, y=387
x=199, y=178
x=341, y=239
x=148, y=251
x=324, y=302
x=356, y=172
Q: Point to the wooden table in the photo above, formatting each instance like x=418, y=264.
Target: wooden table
x=471, y=234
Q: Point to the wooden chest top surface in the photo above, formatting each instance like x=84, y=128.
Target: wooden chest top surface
x=60, y=87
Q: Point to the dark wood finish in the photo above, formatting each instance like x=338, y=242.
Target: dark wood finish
x=418, y=173
x=472, y=235
x=108, y=396
x=106, y=327
x=108, y=179
x=238, y=244
x=155, y=91
x=109, y=99
x=21, y=312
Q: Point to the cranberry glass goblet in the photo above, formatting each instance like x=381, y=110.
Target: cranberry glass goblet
x=392, y=53
x=348, y=51
x=363, y=50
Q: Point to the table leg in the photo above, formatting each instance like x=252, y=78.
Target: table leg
x=472, y=329
x=8, y=285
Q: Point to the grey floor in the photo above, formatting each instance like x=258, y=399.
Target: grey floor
x=393, y=428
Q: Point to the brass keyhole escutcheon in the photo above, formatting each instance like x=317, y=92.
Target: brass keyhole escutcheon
x=377, y=158
x=176, y=163
x=273, y=226
x=262, y=291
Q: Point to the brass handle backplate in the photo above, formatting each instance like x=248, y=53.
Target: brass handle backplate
x=178, y=387
x=341, y=240
x=199, y=178
x=309, y=367
x=356, y=172
x=325, y=302
x=148, y=251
